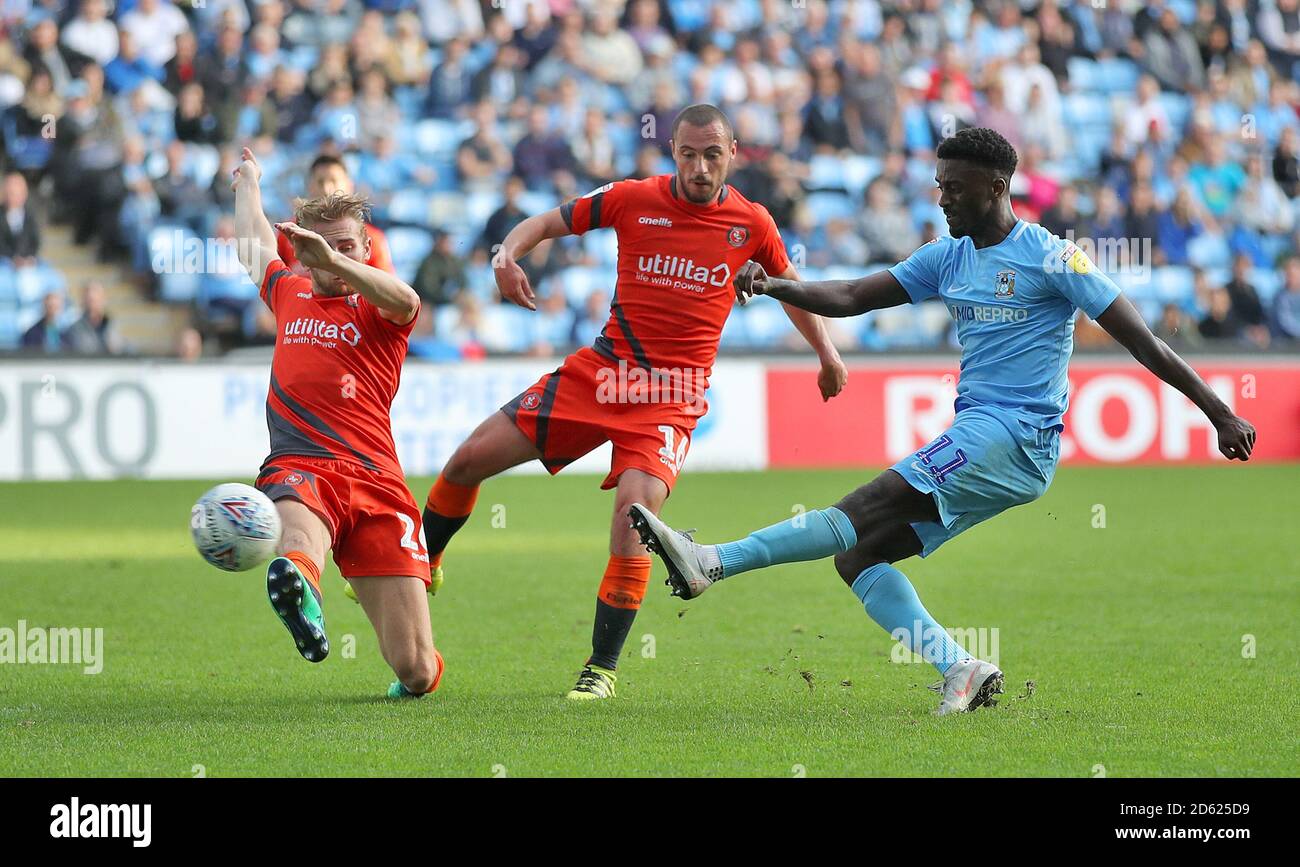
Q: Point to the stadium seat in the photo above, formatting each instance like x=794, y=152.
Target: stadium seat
x=203, y=163
x=409, y=206
x=1209, y=251
x=1267, y=282
x=1173, y=284
x=408, y=246
x=831, y=206
x=578, y=282
x=766, y=323
x=1117, y=75
x=1083, y=74
x=440, y=138
x=8, y=285
x=735, y=335
x=1086, y=109
x=603, y=246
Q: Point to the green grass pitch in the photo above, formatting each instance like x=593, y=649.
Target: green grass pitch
x=1164, y=643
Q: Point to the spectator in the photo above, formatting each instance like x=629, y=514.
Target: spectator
x=20, y=233
x=129, y=69
x=189, y=345
x=1218, y=179
x=1286, y=166
x=885, y=224
x=482, y=157
x=1279, y=30
x=1146, y=120
x=43, y=54
x=595, y=313
x=91, y=34
x=1177, y=328
x=1177, y=225
x=1245, y=302
x=179, y=195
x=540, y=152
x=93, y=333
x=46, y=334
x=441, y=274
x=1286, y=304
x=154, y=26
x=1172, y=55
x=1220, y=321
x=194, y=121
x=449, y=85
x=505, y=218
x=611, y=54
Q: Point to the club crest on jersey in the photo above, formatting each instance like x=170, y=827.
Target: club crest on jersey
x=532, y=400
x=1004, y=284
x=737, y=236
x=293, y=479
x=353, y=300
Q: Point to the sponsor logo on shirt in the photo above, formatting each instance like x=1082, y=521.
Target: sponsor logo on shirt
x=655, y=221
x=681, y=273
x=320, y=332
x=1075, y=258
x=987, y=313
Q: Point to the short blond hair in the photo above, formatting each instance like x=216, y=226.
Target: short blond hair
x=338, y=205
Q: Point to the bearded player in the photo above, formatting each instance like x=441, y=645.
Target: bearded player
x=333, y=473
x=681, y=238
x=1014, y=289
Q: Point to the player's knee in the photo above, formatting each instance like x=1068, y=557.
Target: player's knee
x=295, y=539
x=850, y=564
x=461, y=468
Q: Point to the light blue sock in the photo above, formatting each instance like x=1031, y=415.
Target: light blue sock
x=810, y=536
x=892, y=602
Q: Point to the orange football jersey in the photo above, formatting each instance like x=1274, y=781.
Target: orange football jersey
x=335, y=371
x=676, y=263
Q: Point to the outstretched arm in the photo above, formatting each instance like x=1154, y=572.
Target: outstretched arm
x=834, y=374
x=1123, y=322
x=826, y=297
x=520, y=241
x=396, y=302
x=255, y=240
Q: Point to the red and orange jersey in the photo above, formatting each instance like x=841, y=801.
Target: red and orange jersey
x=335, y=371
x=676, y=263
x=380, y=257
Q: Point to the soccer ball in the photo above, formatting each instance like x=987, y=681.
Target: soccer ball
x=235, y=527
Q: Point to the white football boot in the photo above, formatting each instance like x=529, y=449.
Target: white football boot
x=692, y=568
x=969, y=684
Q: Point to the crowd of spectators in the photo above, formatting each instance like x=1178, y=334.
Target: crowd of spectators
x=1164, y=133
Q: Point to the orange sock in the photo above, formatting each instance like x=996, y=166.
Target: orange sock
x=617, y=602
x=306, y=566
x=450, y=505
x=625, y=580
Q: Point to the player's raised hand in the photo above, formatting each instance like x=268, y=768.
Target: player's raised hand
x=248, y=169
x=1236, y=438
x=832, y=378
x=310, y=248
x=750, y=280
x=512, y=281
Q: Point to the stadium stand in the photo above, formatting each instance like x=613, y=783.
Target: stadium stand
x=124, y=119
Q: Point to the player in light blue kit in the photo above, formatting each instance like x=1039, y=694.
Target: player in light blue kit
x=1013, y=289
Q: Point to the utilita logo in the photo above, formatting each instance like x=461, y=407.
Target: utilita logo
x=320, y=332
x=683, y=273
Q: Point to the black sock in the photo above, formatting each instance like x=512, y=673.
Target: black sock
x=438, y=530
x=609, y=633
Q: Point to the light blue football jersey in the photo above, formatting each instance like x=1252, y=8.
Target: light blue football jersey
x=1014, y=304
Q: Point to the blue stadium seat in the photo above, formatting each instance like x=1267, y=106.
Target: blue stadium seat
x=1087, y=109
x=578, y=282
x=1209, y=251
x=850, y=174
x=831, y=206
x=507, y=328
x=1117, y=75
x=1178, y=107
x=409, y=206
x=1083, y=74
x=766, y=323
x=735, y=334
x=8, y=285
x=408, y=246
x=1172, y=284
x=1267, y=282
x=603, y=246
x=440, y=138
